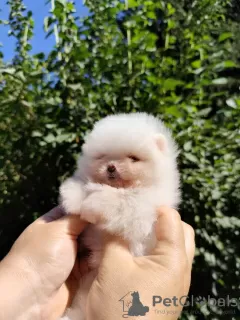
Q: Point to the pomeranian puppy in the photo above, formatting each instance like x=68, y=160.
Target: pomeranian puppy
x=127, y=169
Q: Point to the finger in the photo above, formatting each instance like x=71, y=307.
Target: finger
x=190, y=251
x=169, y=233
x=114, y=248
x=71, y=224
x=52, y=215
x=57, y=306
x=189, y=237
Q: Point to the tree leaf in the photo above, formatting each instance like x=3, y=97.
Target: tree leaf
x=231, y=103
x=225, y=36
x=171, y=83
x=220, y=81
x=132, y=3
x=191, y=157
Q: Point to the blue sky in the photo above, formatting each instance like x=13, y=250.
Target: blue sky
x=40, y=11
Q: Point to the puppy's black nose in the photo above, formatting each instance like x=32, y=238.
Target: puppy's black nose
x=111, y=168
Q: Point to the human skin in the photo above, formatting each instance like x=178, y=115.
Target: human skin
x=166, y=272
x=38, y=277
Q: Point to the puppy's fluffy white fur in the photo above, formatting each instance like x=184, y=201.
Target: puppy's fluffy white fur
x=127, y=169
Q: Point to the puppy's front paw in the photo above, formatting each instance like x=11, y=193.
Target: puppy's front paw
x=90, y=211
x=98, y=205
x=71, y=195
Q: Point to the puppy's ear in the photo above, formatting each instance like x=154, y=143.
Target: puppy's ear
x=161, y=142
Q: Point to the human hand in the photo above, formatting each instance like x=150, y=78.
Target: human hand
x=39, y=275
x=166, y=272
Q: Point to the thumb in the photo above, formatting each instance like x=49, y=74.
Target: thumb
x=169, y=233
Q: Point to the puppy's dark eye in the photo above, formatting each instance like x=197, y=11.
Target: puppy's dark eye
x=134, y=159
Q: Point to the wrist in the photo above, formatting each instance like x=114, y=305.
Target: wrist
x=18, y=281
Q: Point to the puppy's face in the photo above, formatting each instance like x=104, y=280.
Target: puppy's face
x=125, y=169
x=122, y=171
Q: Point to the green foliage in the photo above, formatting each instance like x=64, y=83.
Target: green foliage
x=176, y=59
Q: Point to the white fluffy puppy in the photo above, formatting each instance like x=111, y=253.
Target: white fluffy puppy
x=127, y=169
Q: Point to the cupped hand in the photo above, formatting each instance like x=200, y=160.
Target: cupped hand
x=165, y=273
x=41, y=269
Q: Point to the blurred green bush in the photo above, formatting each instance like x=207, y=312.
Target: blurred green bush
x=176, y=59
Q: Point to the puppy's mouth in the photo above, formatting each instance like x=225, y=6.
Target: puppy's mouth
x=112, y=176
x=115, y=181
